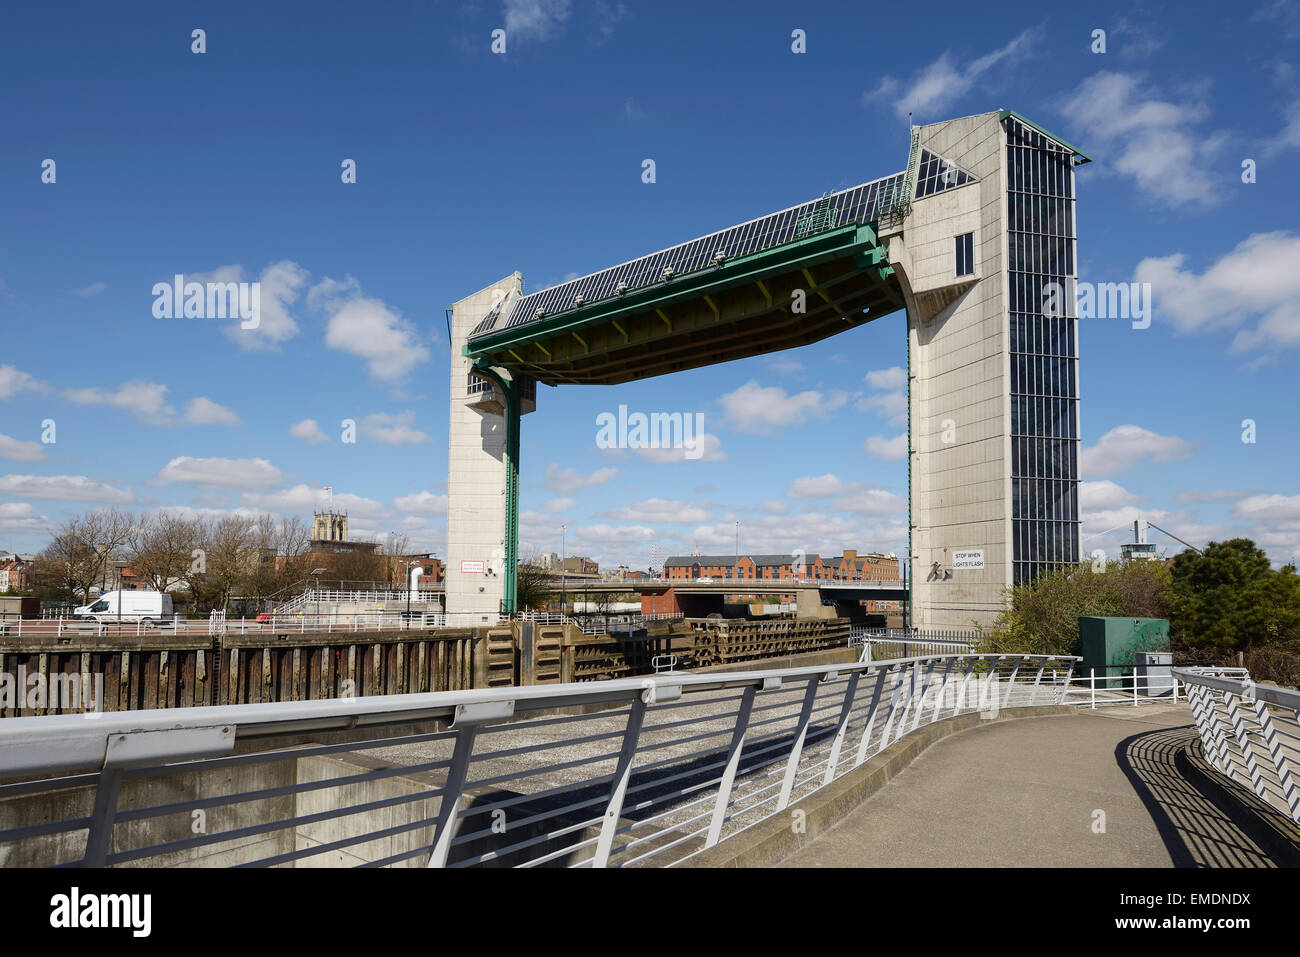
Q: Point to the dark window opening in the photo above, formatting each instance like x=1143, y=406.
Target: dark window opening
x=966, y=254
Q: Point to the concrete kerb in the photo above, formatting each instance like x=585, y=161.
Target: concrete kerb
x=1268, y=826
x=772, y=841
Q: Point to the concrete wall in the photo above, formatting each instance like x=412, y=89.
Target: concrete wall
x=476, y=475
x=959, y=375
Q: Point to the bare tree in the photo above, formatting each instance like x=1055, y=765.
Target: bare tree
x=163, y=546
x=396, y=545
x=532, y=583
x=230, y=551
x=82, y=548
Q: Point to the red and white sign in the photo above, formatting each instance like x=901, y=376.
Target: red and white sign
x=472, y=567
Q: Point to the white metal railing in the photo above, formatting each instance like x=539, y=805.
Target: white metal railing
x=642, y=771
x=910, y=641
x=1126, y=685
x=217, y=623
x=589, y=624
x=327, y=596
x=1250, y=732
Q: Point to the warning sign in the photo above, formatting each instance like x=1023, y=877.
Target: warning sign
x=472, y=567
x=971, y=558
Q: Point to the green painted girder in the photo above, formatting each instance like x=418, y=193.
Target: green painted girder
x=855, y=240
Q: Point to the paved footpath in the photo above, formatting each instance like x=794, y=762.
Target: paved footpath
x=1025, y=793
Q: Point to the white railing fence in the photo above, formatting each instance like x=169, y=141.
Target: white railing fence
x=645, y=771
x=1250, y=732
x=217, y=623
x=906, y=642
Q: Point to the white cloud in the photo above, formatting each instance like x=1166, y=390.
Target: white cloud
x=535, y=19
x=1257, y=278
x=615, y=534
x=308, y=429
x=787, y=366
x=871, y=501
x=892, y=406
x=813, y=532
x=1288, y=138
x=18, y=451
x=658, y=510
x=203, y=411
x=219, y=473
x=1104, y=494
x=94, y=289
x=371, y=330
x=708, y=448
x=422, y=503
x=1268, y=507
x=887, y=449
x=304, y=498
x=568, y=481
x=398, y=429
x=1126, y=445
x=12, y=382
x=755, y=409
x=1216, y=495
x=280, y=285
x=143, y=399
x=895, y=377
x=609, y=15
x=21, y=517
x=942, y=82
x=68, y=488
x=815, y=486
x=557, y=505
x=1154, y=141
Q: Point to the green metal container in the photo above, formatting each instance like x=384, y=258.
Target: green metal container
x=1109, y=644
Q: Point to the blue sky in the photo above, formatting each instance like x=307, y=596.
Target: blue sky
x=471, y=165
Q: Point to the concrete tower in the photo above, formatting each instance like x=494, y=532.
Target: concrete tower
x=478, y=474
x=993, y=375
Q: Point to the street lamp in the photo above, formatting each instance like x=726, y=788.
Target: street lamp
x=737, y=549
x=316, y=573
x=564, y=578
x=409, y=585
x=119, y=565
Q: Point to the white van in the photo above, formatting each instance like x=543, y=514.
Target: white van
x=146, y=607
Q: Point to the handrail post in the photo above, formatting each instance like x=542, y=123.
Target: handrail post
x=792, y=765
x=733, y=763
x=100, y=833
x=1065, y=688
x=1092, y=682
x=449, y=811
x=893, y=705
x=871, y=716
x=943, y=687
x=849, y=694
x=613, y=810
x=1280, y=761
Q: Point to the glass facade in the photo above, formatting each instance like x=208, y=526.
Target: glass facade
x=1044, y=352
x=934, y=174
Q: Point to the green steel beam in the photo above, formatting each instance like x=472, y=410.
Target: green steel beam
x=744, y=270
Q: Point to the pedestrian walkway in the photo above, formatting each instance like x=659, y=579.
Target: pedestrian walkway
x=1102, y=788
